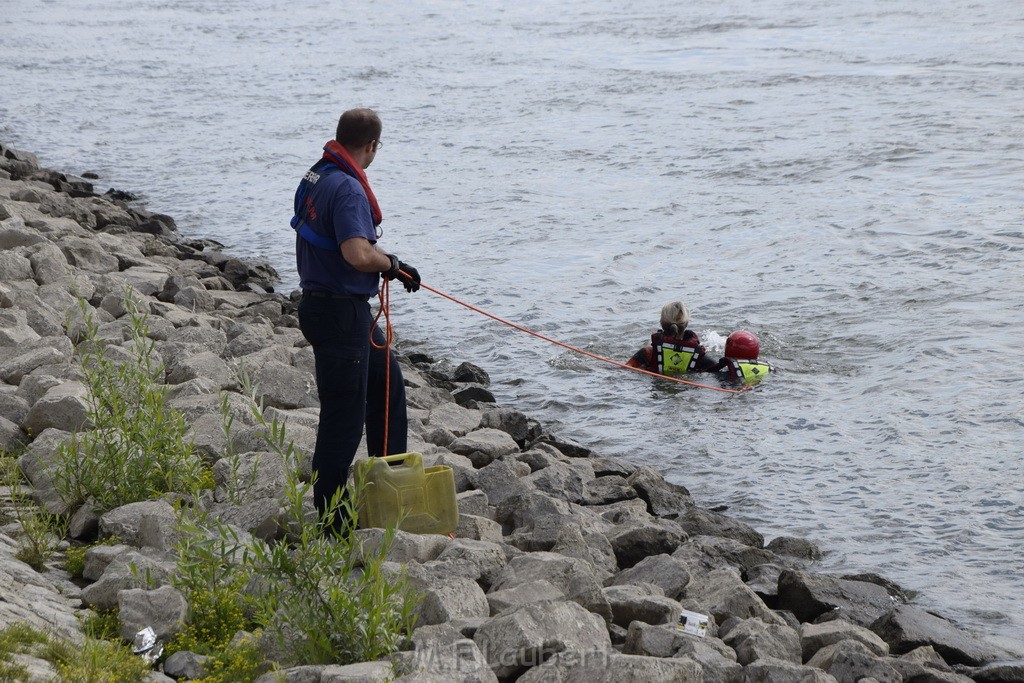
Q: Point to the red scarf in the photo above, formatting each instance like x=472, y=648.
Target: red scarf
x=336, y=153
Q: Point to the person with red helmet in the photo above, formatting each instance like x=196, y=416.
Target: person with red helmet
x=674, y=350
x=740, y=360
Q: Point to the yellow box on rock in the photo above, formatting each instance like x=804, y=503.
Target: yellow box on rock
x=398, y=486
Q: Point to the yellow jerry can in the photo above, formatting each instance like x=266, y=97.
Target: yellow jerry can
x=398, y=485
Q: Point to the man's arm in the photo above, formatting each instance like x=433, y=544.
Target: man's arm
x=364, y=256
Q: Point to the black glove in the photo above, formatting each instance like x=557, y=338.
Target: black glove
x=404, y=273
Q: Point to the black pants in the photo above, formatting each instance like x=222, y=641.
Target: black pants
x=351, y=381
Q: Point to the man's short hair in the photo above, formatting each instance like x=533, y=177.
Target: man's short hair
x=357, y=127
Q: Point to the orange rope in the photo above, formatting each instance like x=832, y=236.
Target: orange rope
x=573, y=348
x=385, y=305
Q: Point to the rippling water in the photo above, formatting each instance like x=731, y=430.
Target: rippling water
x=843, y=180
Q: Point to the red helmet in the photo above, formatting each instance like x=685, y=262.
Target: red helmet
x=743, y=345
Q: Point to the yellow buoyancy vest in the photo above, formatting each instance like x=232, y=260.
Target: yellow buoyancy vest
x=674, y=359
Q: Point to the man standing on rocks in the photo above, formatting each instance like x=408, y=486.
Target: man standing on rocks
x=340, y=264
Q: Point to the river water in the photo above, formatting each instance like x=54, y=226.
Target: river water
x=843, y=179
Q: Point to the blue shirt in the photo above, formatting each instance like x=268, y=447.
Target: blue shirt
x=336, y=207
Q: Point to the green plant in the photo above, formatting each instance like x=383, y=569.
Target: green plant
x=136, y=449
x=240, y=662
x=326, y=598
x=15, y=639
x=92, y=661
x=103, y=624
x=96, y=661
x=10, y=471
x=41, y=531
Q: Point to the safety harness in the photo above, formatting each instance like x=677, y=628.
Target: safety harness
x=749, y=371
x=334, y=155
x=672, y=357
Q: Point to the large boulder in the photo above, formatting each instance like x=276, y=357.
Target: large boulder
x=614, y=668
x=905, y=628
x=64, y=406
x=663, y=498
x=698, y=522
x=163, y=609
x=813, y=637
x=483, y=446
x=575, y=578
x=752, y=639
x=721, y=593
x=809, y=596
x=520, y=639
x=663, y=571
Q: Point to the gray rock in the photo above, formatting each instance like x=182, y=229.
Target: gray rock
x=453, y=418
x=478, y=528
x=125, y=522
x=282, y=386
x=562, y=481
x=11, y=436
x=525, y=637
x=663, y=499
x=98, y=557
x=259, y=517
x=405, y=547
x=204, y=364
x=722, y=593
x=813, y=637
x=481, y=561
x=460, y=660
x=474, y=502
x=15, y=368
x=589, y=545
x=500, y=481
x=576, y=578
x=753, y=639
x=698, y=522
x=770, y=670
x=635, y=542
x=604, y=667
x=250, y=475
x=795, y=547
x=14, y=267
x=607, y=489
x=527, y=593
x=128, y=570
x=451, y=598
x=635, y=603
x=14, y=328
x=520, y=427
x=905, y=628
x=89, y=255
x=185, y=665
x=999, y=672
x=64, y=406
x=809, y=596
x=483, y=446
x=715, y=552
x=664, y=571
x=364, y=672
x=49, y=265
x=851, y=666
x=163, y=609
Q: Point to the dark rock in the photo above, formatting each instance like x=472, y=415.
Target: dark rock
x=566, y=446
x=469, y=373
x=797, y=547
x=663, y=498
x=635, y=543
x=905, y=628
x=809, y=596
x=473, y=393
x=999, y=672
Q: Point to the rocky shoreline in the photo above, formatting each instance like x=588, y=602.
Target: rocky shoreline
x=566, y=565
